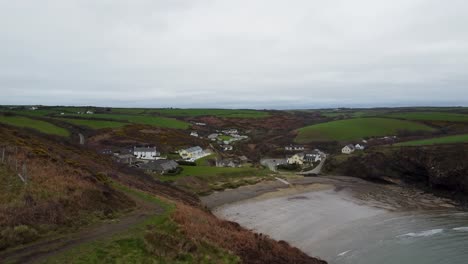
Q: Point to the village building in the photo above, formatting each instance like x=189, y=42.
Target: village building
x=146, y=153
x=213, y=136
x=294, y=148
x=296, y=159
x=227, y=147
x=89, y=112
x=159, y=166
x=228, y=163
x=200, y=124
x=125, y=159
x=348, y=149
x=359, y=147
x=192, y=153
x=313, y=156
x=231, y=131
x=194, y=134
x=33, y=108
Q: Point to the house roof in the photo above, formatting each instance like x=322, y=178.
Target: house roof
x=351, y=146
x=194, y=149
x=144, y=149
x=161, y=164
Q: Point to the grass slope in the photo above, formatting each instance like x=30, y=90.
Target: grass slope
x=94, y=124
x=142, y=119
x=351, y=129
x=431, y=116
x=230, y=113
x=439, y=140
x=38, y=125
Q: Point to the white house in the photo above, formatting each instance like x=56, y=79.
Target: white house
x=348, y=149
x=294, y=148
x=146, y=153
x=213, y=136
x=89, y=112
x=359, y=147
x=314, y=156
x=200, y=124
x=192, y=153
x=194, y=134
x=33, y=108
x=226, y=147
x=230, y=131
x=296, y=159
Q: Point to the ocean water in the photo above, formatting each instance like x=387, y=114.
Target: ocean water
x=339, y=229
x=412, y=238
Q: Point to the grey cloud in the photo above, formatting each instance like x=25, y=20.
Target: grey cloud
x=257, y=54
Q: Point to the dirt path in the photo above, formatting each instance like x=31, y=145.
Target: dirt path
x=41, y=250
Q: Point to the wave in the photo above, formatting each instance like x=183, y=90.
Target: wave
x=462, y=228
x=343, y=253
x=423, y=233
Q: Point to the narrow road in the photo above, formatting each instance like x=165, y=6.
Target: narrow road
x=82, y=139
x=39, y=251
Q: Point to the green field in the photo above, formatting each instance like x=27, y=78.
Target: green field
x=94, y=124
x=230, y=113
x=140, y=119
x=357, y=128
x=431, y=116
x=225, y=137
x=41, y=126
x=439, y=140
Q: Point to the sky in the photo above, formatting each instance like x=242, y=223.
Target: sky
x=234, y=54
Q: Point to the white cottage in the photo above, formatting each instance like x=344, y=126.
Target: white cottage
x=348, y=149
x=146, y=153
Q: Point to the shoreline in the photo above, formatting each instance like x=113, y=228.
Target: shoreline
x=393, y=198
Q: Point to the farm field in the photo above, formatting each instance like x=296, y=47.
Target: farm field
x=357, y=128
x=431, y=116
x=141, y=119
x=229, y=113
x=434, y=141
x=39, y=125
x=94, y=124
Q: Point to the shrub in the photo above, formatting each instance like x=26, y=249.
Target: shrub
x=18, y=235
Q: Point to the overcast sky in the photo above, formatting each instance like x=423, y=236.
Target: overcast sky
x=225, y=53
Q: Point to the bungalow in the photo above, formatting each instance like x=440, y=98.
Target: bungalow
x=294, y=148
x=159, y=166
x=146, y=153
x=89, y=112
x=33, y=108
x=191, y=153
x=348, y=149
x=125, y=159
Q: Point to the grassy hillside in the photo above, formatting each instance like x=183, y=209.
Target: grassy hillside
x=141, y=119
x=94, y=124
x=351, y=129
x=38, y=125
x=434, y=141
x=431, y=116
x=229, y=113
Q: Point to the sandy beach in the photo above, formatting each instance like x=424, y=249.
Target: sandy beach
x=313, y=209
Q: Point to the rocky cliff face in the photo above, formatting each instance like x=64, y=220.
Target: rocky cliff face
x=437, y=167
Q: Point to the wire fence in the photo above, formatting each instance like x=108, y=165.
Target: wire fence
x=14, y=159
